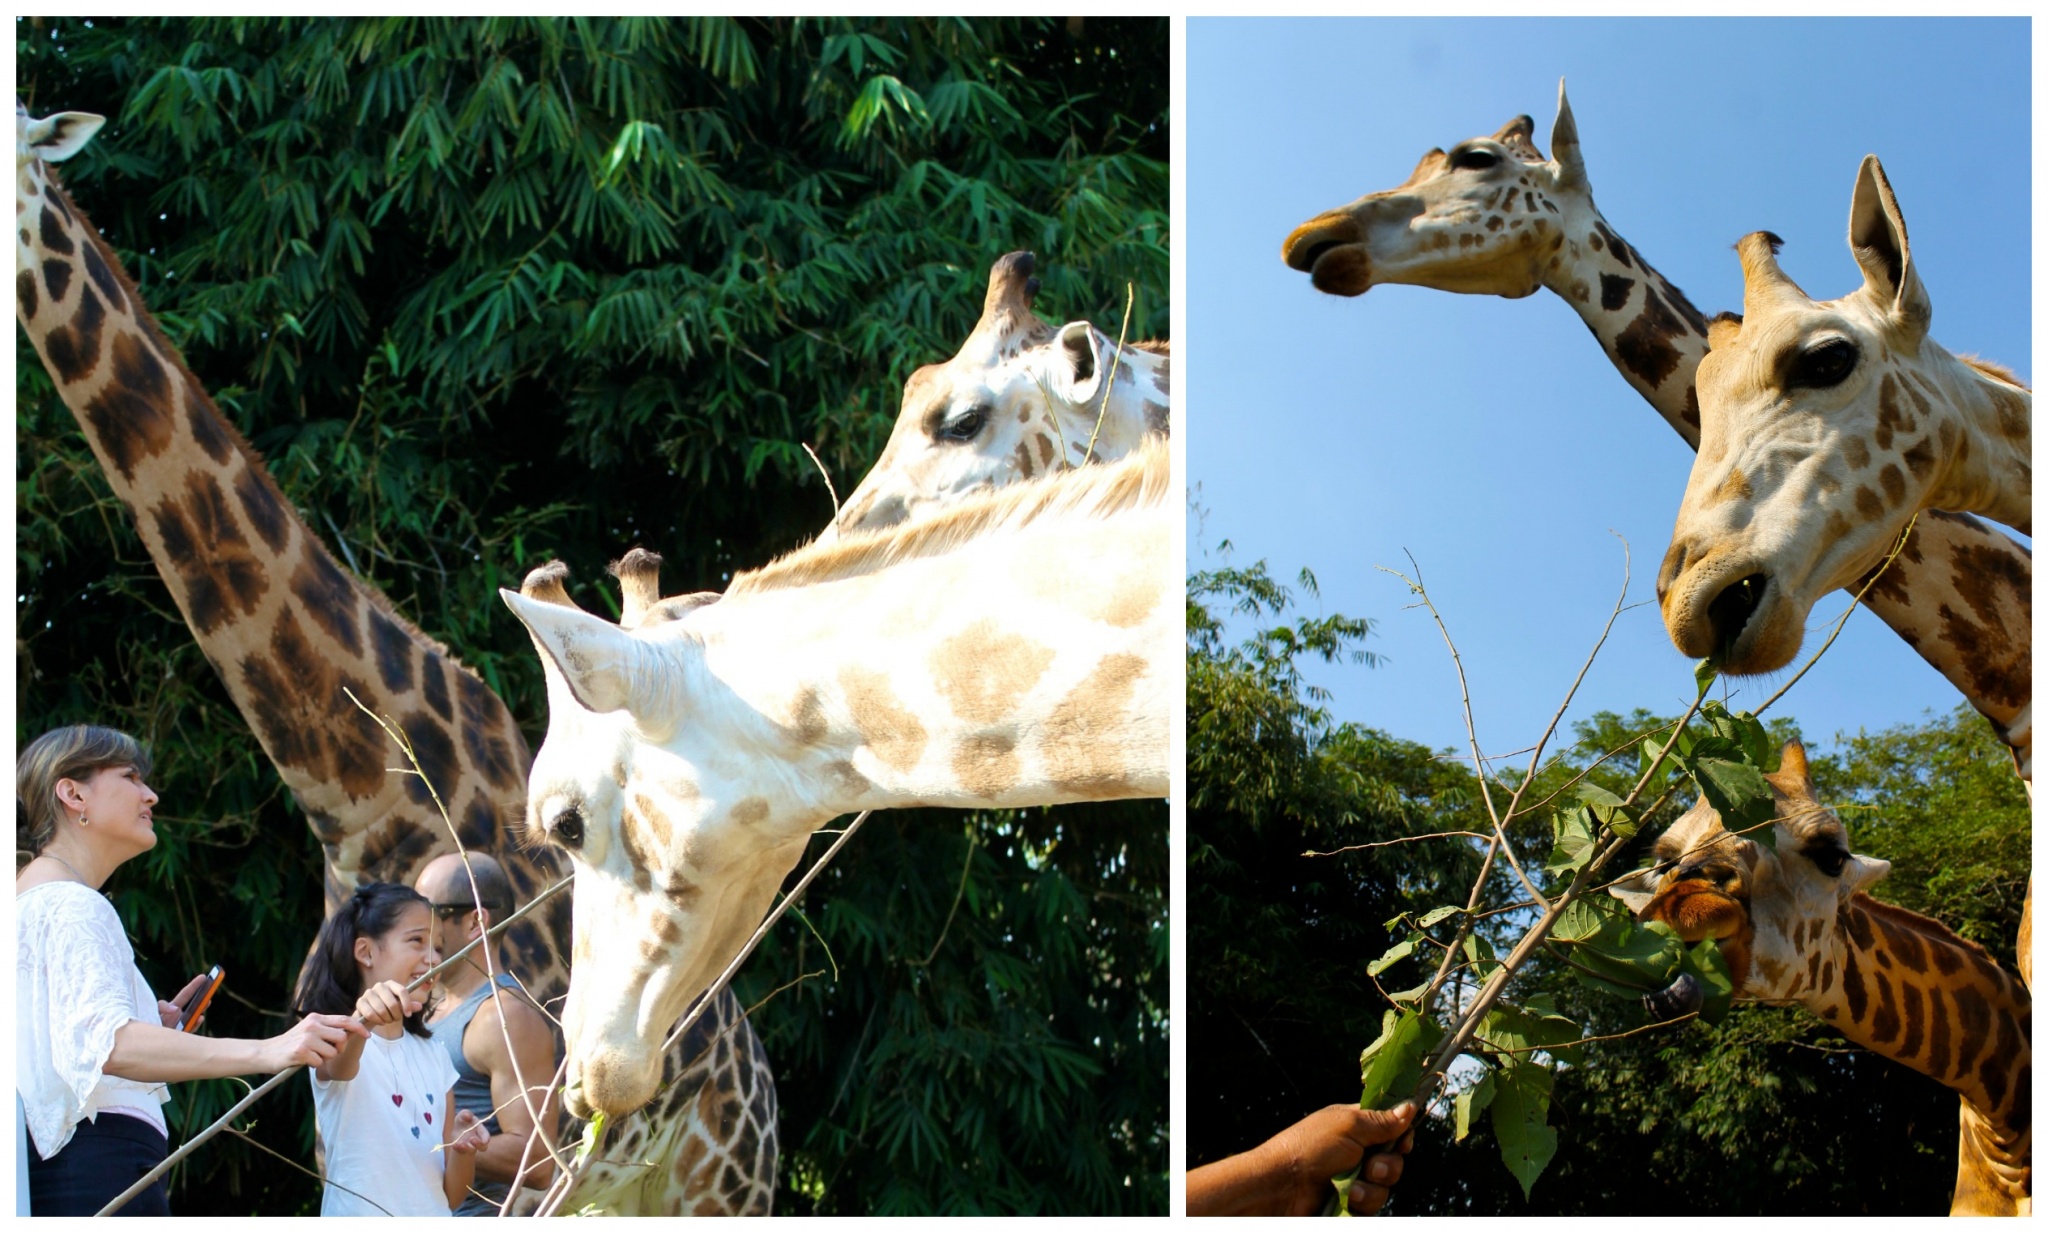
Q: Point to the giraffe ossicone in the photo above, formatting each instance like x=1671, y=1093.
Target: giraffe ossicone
x=1795, y=925
x=1021, y=649
x=1019, y=401
x=1825, y=426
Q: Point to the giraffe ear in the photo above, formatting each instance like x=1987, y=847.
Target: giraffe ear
x=1877, y=237
x=1637, y=889
x=1080, y=354
x=1564, y=144
x=56, y=138
x=1861, y=873
x=605, y=668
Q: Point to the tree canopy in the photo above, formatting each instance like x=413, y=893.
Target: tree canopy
x=490, y=291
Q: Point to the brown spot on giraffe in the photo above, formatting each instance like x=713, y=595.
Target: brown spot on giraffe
x=131, y=417
x=1614, y=245
x=434, y=686
x=329, y=597
x=849, y=779
x=1025, y=465
x=1733, y=488
x=2015, y=416
x=221, y=579
x=1644, y=348
x=750, y=811
x=1158, y=417
x=1893, y=481
x=295, y=696
x=1913, y=1003
x=1888, y=417
x=392, y=647
x=1939, y=1058
x=1493, y=222
x=103, y=278
x=1868, y=504
x=25, y=296
x=807, y=724
x=890, y=730
x=1045, y=450
x=434, y=749
x=985, y=763
x=1919, y=458
x=1079, y=758
x=51, y=225
x=1614, y=291
x=983, y=670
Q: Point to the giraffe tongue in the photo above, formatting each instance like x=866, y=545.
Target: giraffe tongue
x=1682, y=997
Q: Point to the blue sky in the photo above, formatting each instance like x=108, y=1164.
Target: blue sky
x=1491, y=438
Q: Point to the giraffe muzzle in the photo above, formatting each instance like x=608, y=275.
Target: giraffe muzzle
x=1729, y=613
x=1330, y=249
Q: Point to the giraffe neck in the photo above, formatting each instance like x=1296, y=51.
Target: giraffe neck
x=283, y=625
x=1905, y=987
x=1991, y=461
x=1962, y=593
x=1649, y=330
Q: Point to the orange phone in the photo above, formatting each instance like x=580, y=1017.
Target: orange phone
x=190, y=1019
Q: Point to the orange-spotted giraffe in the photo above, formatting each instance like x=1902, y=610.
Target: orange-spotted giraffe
x=1794, y=925
x=1021, y=649
x=287, y=630
x=1019, y=400
x=1494, y=217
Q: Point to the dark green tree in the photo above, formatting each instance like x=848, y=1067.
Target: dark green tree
x=487, y=292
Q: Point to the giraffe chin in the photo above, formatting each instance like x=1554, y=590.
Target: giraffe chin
x=610, y=1083
x=1345, y=271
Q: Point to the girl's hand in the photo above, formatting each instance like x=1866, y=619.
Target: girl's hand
x=470, y=1134
x=386, y=1003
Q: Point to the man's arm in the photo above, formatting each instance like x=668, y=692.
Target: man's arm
x=533, y=1045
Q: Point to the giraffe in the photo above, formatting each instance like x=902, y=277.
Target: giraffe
x=1494, y=217
x=1021, y=649
x=1018, y=400
x=1825, y=425
x=1794, y=924
x=287, y=629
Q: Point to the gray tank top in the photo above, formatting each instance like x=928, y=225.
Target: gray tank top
x=472, y=1086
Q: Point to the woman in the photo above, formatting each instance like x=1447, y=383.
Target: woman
x=93, y=1047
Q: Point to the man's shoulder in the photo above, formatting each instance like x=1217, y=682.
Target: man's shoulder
x=514, y=1009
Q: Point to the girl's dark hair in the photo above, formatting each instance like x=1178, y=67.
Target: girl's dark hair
x=331, y=982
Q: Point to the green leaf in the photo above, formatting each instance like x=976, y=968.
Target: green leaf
x=1705, y=962
x=1434, y=915
x=1634, y=958
x=1740, y=793
x=1392, y=1065
x=1396, y=953
x=1525, y=1029
x=1704, y=673
x=1572, y=834
x=1479, y=953
x=1472, y=1100
x=1521, y=1109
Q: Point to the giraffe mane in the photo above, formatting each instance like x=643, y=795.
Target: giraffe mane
x=1156, y=346
x=1088, y=493
x=196, y=388
x=1994, y=370
x=1926, y=926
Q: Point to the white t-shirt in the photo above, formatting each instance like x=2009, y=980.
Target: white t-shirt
x=75, y=985
x=383, y=1129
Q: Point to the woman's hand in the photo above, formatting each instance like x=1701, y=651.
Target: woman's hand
x=172, y=1011
x=311, y=1041
x=386, y=1003
x=470, y=1134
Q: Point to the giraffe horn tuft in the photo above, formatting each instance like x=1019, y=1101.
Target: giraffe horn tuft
x=548, y=583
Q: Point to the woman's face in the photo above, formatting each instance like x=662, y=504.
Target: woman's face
x=403, y=952
x=117, y=810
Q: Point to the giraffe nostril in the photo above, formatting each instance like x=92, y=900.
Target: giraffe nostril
x=1729, y=613
x=1674, y=565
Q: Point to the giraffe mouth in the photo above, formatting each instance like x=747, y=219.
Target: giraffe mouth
x=1729, y=613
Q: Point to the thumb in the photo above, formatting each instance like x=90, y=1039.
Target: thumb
x=1374, y=1126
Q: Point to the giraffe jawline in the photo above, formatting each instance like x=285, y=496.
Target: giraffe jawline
x=1339, y=269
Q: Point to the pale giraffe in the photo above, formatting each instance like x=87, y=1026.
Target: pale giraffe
x=1018, y=400
x=1021, y=649
x=1795, y=926
x=287, y=630
x=1494, y=217
x=1825, y=426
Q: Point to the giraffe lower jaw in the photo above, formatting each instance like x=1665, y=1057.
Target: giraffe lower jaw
x=1339, y=269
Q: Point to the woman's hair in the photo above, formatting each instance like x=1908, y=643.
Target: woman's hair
x=331, y=982
x=73, y=753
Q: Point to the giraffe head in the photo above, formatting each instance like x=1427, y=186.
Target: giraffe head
x=1825, y=425
x=680, y=843
x=1018, y=401
x=37, y=143
x=1490, y=217
x=1770, y=908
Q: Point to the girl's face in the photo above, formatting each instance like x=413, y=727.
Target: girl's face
x=403, y=952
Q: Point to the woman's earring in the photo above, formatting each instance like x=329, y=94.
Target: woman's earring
x=83, y=820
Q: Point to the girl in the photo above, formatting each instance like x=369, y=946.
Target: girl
x=382, y=1104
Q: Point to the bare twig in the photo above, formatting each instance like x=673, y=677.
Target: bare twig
x=1387, y=843
x=1109, y=378
x=1587, y=1040
x=834, y=492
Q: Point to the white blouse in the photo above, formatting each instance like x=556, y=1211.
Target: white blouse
x=75, y=985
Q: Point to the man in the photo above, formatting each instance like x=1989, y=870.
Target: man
x=486, y=1034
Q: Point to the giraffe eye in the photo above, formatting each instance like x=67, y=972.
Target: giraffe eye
x=1826, y=365
x=965, y=426
x=1829, y=860
x=568, y=829
x=1471, y=158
